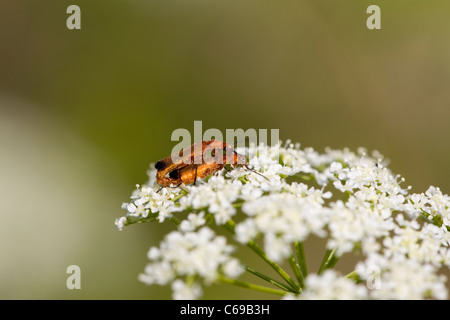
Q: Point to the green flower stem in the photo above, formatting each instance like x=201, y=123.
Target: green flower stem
x=178, y=197
x=238, y=204
x=251, y=286
x=301, y=257
x=329, y=260
x=298, y=273
x=305, y=177
x=230, y=225
x=175, y=220
x=353, y=276
x=268, y=279
x=252, y=245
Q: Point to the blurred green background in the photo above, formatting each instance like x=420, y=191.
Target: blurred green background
x=84, y=112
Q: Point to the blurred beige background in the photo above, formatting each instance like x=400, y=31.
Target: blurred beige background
x=84, y=112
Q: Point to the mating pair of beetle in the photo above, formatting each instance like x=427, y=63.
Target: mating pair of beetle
x=190, y=164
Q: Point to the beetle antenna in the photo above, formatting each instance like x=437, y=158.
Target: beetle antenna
x=252, y=170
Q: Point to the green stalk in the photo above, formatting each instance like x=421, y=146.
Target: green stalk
x=252, y=245
x=268, y=279
x=178, y=197
x=175, y=220
x=260, y=252
x=329, y=260
x=353, y=276
x=298, y=273
x=251, y=286
x=301, y=257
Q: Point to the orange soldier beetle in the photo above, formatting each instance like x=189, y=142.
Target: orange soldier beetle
x=190, y=165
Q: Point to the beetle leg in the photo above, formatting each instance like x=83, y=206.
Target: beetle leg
x=253, y=170
x=195, y=178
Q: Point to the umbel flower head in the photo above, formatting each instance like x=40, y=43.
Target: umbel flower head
x=351, y=199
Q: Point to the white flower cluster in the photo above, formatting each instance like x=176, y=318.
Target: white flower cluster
x=398, y=277
x=351, y=199
x=330, y=286
x=184, y=257
x=149, y=204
